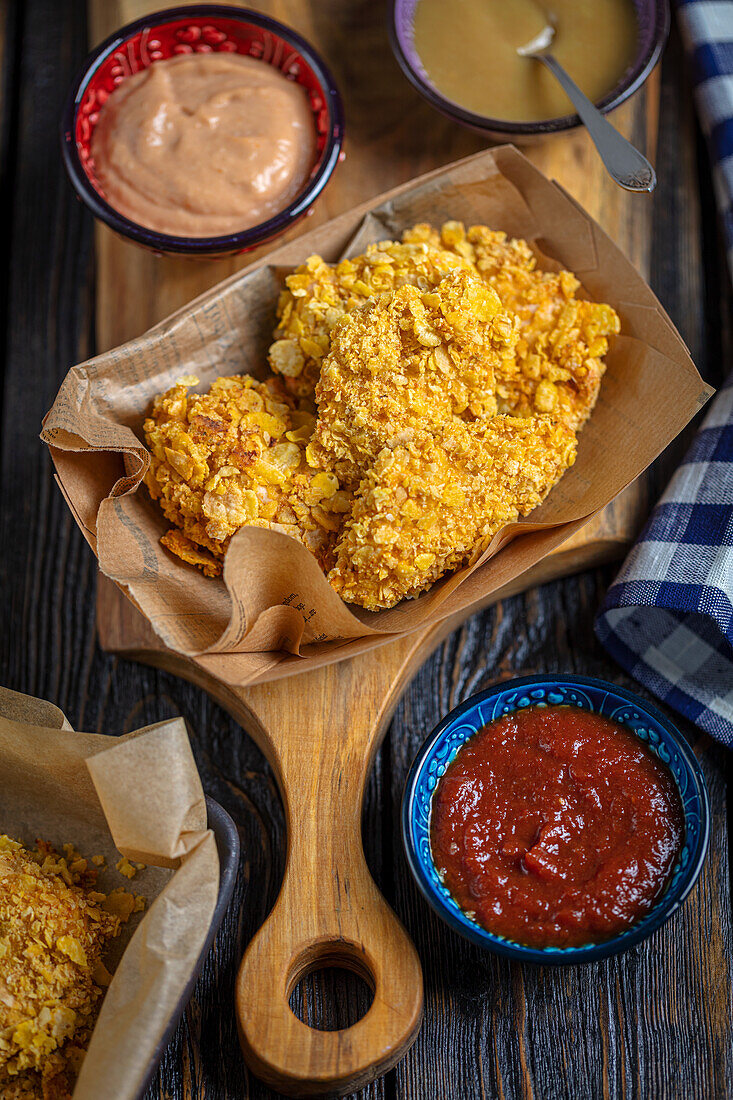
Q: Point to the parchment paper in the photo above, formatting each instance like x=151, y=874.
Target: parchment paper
x=273, y=598
x=139, y=795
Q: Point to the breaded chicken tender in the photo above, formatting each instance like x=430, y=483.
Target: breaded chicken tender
x=425, y=394
x=236, y=456
x=433, y=503
x=411, y=360
x=318, y=294
x=562, y=339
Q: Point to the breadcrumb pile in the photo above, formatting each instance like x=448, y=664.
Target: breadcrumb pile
x=423, y=395
x=54, y=929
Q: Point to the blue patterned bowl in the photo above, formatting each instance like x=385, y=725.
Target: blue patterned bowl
x=603, y=698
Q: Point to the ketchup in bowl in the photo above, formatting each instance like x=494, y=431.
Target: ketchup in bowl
x=555, y=827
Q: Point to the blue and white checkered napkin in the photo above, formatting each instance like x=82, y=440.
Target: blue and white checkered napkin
x=668, y=617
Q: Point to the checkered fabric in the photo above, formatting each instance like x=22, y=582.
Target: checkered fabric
x=706, y=27
x=668, y=617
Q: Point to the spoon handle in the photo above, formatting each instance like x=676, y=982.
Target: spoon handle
x=625, y=163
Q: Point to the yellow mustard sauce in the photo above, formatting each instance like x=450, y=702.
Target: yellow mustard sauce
x=468, y=49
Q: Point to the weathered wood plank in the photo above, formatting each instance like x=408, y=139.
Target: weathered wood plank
x=498, y=1029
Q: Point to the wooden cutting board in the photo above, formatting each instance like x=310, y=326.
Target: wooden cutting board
x=321, y=729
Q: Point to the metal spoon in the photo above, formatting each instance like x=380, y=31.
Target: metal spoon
x=624, y=163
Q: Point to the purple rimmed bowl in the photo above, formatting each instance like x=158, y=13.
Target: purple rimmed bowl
x=652, y=17
x=201, y=28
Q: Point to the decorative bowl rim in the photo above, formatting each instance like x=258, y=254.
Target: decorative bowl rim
x=664, y=908
x=630, y=82
x=246, y=238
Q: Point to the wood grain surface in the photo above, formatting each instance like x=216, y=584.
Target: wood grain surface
x=653, y=1023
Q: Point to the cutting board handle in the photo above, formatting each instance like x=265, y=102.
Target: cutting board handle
x=320, y=731
x=320, y=921
x=321, y=741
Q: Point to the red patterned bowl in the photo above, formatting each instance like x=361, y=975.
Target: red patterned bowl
x=201, y=28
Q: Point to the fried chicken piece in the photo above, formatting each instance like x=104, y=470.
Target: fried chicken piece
x=562, y=339
x=409, y=351
x=235, y=456
x=411, y=360
x=183, y=548
x=433, y=503
x=318, y=294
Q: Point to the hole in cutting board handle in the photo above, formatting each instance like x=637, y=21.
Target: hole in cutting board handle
x=331, y=987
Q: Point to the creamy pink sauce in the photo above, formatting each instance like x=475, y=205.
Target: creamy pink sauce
x=204, y=145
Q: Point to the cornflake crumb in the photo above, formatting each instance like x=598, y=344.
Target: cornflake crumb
x=318, y=295
x=54, y=929
x=127, y=868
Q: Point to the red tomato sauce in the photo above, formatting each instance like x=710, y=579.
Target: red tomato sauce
x=555, y=827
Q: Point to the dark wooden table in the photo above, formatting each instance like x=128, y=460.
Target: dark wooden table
x=653, y=1023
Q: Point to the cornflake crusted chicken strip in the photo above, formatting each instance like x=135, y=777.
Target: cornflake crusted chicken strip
x=562, y=339
x=433, y=503
x=411, y=360
x=318, y=294
x=54, y=929
x=235, y=456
